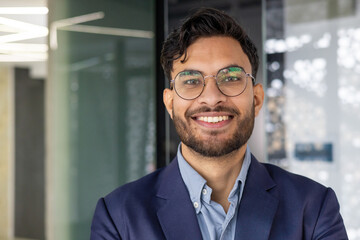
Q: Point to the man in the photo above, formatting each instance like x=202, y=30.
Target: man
x=215, y=188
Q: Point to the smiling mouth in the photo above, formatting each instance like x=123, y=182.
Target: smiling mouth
x=215, y=119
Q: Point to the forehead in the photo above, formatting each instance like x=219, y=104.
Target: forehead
x=210, y=54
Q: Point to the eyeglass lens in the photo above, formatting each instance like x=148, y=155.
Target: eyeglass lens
x=230, y=81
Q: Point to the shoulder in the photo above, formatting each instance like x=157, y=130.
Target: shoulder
x=305, y=201
x=284, y=184
x=282, y=176
x=296, y=188
x=128, y=201
x=122, y=207
x=140, y=189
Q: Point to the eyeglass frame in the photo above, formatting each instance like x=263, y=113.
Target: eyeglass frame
x=215, y=77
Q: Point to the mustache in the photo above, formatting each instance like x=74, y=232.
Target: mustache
x=203, y=109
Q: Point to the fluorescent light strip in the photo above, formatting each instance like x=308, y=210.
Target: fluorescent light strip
x=21, y=36
x=71, y=21
x=23, y=47
x=22, y=25
x=88, y=63
x=110, y=31
x=7, y=29
x=25, y=30
x=78, y=19
x=23, y=58
x=24, y=10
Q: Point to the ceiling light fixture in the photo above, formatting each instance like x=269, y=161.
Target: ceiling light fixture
x=24, y=10
x=68, y=22
x=110, y=31
x=24, y=30
x=23, y=47
x=33, y=57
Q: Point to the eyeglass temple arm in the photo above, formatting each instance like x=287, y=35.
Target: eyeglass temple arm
x=252, y=78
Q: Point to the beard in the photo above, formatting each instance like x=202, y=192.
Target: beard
x=212, y=146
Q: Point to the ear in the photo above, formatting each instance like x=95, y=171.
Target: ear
x=168, y=96
x=258, y=98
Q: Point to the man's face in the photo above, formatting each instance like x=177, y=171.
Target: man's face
x=213, y=124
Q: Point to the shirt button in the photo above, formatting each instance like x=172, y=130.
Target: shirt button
x=196, y=204
x=204, y=191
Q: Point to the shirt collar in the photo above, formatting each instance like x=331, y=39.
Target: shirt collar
x=241, y=178
x=192, y=179
x=195, y=183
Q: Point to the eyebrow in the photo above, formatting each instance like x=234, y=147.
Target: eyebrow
x=228, y=66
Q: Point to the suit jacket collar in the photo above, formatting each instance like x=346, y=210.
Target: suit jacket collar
x=257, y=207
x=255, y=214
x=176, y=213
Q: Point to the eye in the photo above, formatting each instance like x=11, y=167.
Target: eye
x=230, y=75
x=189, y=79
x=193, y=81
x=232, y=79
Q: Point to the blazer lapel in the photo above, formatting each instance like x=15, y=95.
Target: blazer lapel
x=257, y=207
x=176, y=214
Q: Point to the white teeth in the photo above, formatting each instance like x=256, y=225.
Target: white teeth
x=213, y=119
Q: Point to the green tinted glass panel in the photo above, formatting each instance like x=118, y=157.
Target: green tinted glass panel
x=101, y=93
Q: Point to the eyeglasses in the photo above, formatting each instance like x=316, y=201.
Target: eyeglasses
x=231, y=82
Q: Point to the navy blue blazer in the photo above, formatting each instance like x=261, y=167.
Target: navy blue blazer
x=275, y=205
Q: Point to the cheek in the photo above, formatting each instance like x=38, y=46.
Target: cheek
x=244, y=102
x=247, y=98
x=178, y=110
x=180, y=106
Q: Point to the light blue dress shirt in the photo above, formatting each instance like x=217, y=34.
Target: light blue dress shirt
x=214, y=223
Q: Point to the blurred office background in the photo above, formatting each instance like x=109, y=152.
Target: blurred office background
x=81, y=101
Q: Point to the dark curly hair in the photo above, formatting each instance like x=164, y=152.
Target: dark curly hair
x=206, y=22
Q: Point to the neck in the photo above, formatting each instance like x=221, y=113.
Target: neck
x=220, y=173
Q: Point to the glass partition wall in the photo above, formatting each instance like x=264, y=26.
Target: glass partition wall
x=313, y=95
x=101, y=105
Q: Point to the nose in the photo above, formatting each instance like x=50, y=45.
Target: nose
x=211, y=94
